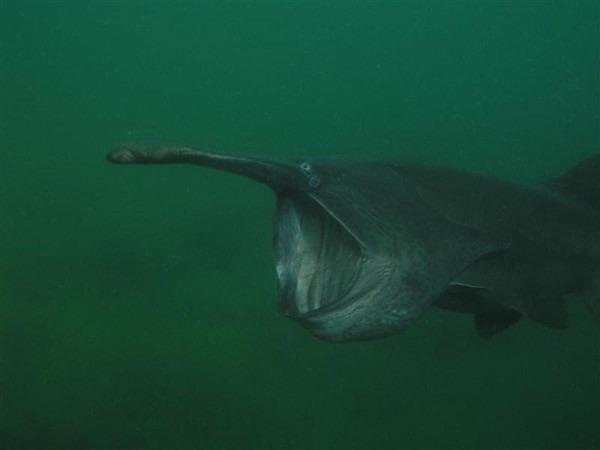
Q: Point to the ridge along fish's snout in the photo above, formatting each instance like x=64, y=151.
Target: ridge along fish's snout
x=275, y=173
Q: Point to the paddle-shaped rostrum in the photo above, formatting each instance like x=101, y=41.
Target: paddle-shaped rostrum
x=363, y=248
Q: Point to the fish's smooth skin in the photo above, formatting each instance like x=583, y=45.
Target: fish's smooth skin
x=363, y=248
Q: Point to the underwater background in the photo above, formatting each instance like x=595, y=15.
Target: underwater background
x=138, y=305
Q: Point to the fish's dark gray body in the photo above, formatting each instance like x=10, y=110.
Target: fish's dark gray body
x=363, y=248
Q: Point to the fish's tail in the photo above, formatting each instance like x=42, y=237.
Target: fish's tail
x=581, y=185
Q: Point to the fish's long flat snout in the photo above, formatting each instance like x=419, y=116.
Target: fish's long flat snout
x=278, y=175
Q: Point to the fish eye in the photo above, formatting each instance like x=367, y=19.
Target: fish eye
x=305, y=167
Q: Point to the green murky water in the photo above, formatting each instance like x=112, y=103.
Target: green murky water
x=137, y=305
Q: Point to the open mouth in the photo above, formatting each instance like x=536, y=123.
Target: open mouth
x=318, y=261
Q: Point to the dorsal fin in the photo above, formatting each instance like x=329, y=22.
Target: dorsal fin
x=581, y=183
